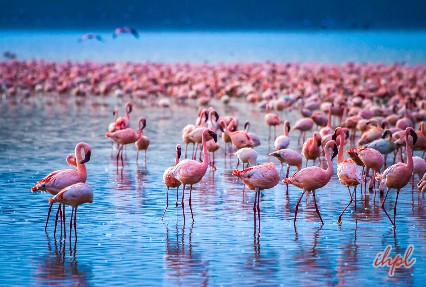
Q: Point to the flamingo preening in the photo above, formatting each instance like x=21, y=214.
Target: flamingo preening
x=170, y=180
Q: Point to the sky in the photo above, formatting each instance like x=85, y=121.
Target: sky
x=214, y=14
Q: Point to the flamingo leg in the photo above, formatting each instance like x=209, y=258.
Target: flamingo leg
x=186, y=149
x=316, y=207
x=177, y=194
x=297, y=206
x=167, y=203
x=286, y=176
x=48, y=215
x=65, y=225
x=339, y=220
x=137, y=155
x=190, y=194
x=145, y=156
x=254, y=211
x=383, y=206
x=394, y=208
x=258, y=206
x=183, y=196
x=75, y=222
x=56, y=219
x=72, y=214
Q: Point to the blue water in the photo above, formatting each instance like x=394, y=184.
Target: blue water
x=121, y=239
x=328, y=47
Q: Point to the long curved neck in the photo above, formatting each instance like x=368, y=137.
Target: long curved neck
x=329, y=169
x=205, y=151
x=177, y=157
x=340, y=158
x=81, y=168
x=409, y=154
x=329, y=117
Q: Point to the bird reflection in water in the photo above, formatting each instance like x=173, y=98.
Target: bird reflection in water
x=183, y=265
x=56, y=269
x=141, y=178
x=347, y=262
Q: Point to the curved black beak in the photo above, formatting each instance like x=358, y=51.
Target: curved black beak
x=130, y=108
x=334, y=136
x=214, y=135
x=179, y=150
x=386, y=133
x=275, y=154
x=335, y=152
x=288, y=127
x=319, y=143
x=414, y=135
x=143, y=124
x=216, y=115
x=206, y=114
x=246, y=125
x=86, y=157
x=347, y=134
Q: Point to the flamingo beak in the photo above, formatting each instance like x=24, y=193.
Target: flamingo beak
x=275, y=154
x=288, y=128
x=347, y=134
x=214, y=136
x=179, y=150
x=86, y=157
x=414, y=135
x=334, y=136
x=319, y=143
x=335, y=152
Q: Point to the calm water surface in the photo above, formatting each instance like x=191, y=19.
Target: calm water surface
x=154, y=46
x=122, y=241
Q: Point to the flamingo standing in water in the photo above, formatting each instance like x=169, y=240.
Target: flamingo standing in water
x=257, y=178
x=126, y=136
x=191, y=171
x=282, y=141
x=313, y=177
x=74, y=195
x=311, y=148
x=254, y=137
x=303, y=125
x=246, y=155
x=398, y=175
x=239, y=139
x=272, y=120
x=124, y=122
x=143, y=142
x=347, y=171
x=55, y=181
x=290, y=157
x=170, y=180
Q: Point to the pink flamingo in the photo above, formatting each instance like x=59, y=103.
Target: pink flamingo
x=313, y=177
x=126, y=136
x=111, y=127
x=258, y=178
x=272, y=120
x=125, y=29
x=311, y=148
x=124, y=122
x=142, y=143
x=170, y=180
x=74, y=195
x=282, y=141
x=290, y=157
x=303, y=125
x=419, y=168
x=239, y=139
x=347, y=172
x=58, y=180
x=246, y=155
x=398, y=175
x=191, y=171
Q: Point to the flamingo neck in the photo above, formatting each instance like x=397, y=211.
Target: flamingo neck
x=205, y=151
x=329, y=169
x=340, y=158
x=409, y=154
x=81, y=168
x=177, y=158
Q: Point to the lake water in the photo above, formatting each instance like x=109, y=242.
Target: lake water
x=326, y=46
x=121, y=237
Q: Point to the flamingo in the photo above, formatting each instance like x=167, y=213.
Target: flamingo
x=258, y=178
x=212, y=147
x=419, y=168
x=303, y=125
x=143, y=142
x=58, y=180
x=282, y=141
x=347, y=172
x=125, y=29
x=190, y=171
x=254, y=137
x=384, y=145
x=239, y=139
x=90, y=36
x=311, y=148
x=272, y=120
x=313, y=177
x=246, y=155
x=111, y=127
x=74, y=195
x=398, y=175
x=126, y=136
x=124, y=122
x=189, y=128
x=290, y=157
x=171, y=181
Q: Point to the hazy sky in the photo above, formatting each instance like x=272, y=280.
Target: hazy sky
x=215, y=14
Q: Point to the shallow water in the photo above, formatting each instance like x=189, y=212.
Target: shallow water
x=252, y=46
x=121, y=239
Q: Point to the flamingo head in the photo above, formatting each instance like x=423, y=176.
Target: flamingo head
x=86, y=157
x=142, y=121
x=353, y=153
x=179, y=150
x=129, y=108
x=247, y=125
x=275, y=154
x=335, y=151
x=212, y=135
x=412, y=133
x=287, y=124
x=387, y=133
x=237, y=173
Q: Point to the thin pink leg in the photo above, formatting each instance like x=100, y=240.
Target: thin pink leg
x=297, y=206
x=48, y=215
x=316, y=207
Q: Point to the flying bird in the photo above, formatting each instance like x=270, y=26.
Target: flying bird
x=120, y=30
x=91, y=36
